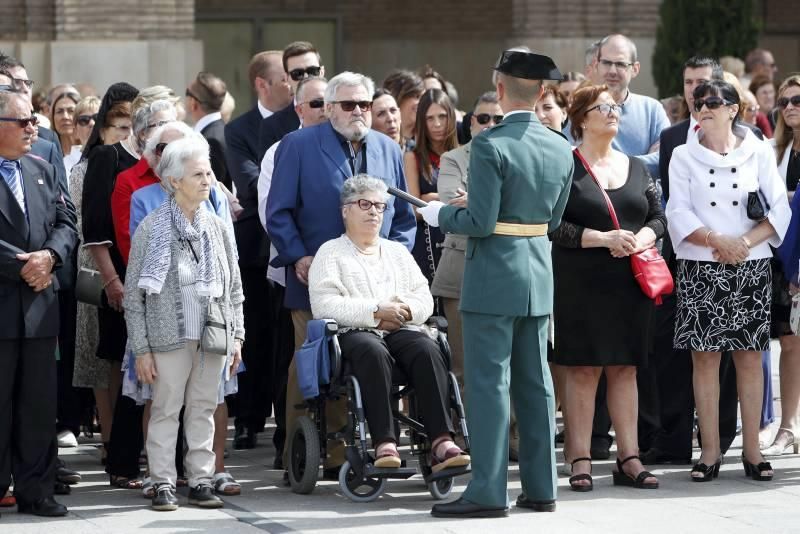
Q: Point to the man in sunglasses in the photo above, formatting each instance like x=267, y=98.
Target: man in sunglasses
x=37, y=236
x=300, y=60
x=243, y=157
x=303, y=207
x=666, y=397
x=204, y=98
x=310, y=108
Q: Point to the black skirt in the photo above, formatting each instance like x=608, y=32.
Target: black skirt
x=723, y=307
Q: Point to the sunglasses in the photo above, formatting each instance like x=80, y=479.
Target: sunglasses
x=189, y=93
x=299, y=74
x=711, y=102
x=783, y=102
x=316, y=103
x=606, y=109
x=365, y=205
x=484, y=118
x=84, y=120
x=23, y=123
x=350, y=105
x=160, y=149
x=157, y=124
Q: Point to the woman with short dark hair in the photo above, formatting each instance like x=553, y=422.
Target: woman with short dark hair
x=727, y=205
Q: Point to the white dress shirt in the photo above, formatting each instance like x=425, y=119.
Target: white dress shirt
x=264, y=111
x=711, y=190
x=206, y=120
x=275, y=274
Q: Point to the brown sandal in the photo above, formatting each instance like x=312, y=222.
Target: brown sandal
x=388, y=457
x=125, y=482
x=453, y=457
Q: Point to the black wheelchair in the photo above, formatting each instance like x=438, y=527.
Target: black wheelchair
x=359, y=479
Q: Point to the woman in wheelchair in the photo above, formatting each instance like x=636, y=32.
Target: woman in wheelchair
x=374, y=289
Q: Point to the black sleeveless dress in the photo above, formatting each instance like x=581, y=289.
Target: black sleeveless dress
x=428, y=243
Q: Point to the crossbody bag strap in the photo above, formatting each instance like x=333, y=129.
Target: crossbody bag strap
x=602, y=191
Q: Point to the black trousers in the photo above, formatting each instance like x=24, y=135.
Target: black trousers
x=27, y=417
x=418, y=357
x=254, y=400
x=283, y=351
x=72, y=401
x=126, y=438
x=672, y=394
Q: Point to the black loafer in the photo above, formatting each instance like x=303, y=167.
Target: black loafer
x=466, y=509
x=536, y=506
x=46, y=507
x=277, y=463
x=244, y=439
x=59, y=488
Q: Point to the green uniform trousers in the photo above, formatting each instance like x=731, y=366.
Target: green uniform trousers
x=503, y=353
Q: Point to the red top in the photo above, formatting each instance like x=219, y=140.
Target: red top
x=128, y=181
x=763, y=124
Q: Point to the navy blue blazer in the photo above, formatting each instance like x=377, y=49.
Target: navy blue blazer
x=303, y=209
x=48, y=224
x=274, y=127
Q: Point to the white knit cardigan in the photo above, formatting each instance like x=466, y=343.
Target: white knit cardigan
x=341, y=289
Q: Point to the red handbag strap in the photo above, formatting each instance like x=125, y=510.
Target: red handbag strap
x=603, y=191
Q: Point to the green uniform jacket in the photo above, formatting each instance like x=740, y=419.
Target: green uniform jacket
x=520, y=173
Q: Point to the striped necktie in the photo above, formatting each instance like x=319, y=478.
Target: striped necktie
x=8, y=169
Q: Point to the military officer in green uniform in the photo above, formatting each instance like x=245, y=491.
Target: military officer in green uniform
x=522, y=172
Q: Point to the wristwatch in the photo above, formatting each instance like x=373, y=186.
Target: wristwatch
x=53, y=257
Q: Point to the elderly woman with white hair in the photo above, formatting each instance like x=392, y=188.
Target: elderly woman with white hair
x=183, y=308
x=376, y=292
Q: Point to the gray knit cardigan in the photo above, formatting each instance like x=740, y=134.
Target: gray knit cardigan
x=155, y=321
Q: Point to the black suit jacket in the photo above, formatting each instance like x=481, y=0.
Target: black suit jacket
x=244, y=166
x=48, y=224
x=215, y=135
x=274, y=127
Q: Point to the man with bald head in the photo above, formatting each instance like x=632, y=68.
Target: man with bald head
x=37, y=236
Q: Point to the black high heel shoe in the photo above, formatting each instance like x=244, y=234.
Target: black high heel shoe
x=709, y=472
x=754, y=471
x=621, y=478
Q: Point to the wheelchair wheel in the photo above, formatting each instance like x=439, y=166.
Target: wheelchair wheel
x=440, y=489
x=303, y=456
x=359, y=490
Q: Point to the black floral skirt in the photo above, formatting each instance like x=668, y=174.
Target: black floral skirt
x=723, y=307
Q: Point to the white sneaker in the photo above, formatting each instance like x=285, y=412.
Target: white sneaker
x=66, y=439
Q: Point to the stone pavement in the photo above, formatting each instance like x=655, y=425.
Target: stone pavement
x=731, y=504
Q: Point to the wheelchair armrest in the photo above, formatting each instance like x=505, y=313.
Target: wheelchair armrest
x=331, y=327
x=438, y=322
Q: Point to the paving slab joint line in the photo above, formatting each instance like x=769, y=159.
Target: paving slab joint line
x=253, y=519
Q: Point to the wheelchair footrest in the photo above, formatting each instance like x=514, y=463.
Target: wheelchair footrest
x=448, y=473
x=389, y=472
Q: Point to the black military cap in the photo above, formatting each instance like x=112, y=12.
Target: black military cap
x=527, y=65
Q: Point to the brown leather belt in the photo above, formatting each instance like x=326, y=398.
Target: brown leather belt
x=520, y=230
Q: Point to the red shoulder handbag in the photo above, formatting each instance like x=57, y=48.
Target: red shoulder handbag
x=648, y=266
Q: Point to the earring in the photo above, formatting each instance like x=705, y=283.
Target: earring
x=583, y=126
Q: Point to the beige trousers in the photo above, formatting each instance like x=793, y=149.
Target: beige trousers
x=183, y=380
x=336, y=411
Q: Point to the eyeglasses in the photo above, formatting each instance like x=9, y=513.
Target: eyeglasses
x=5, y=87
x=784, y=102
x=711, y=102
x=606, y=109
x=752, y=109
x=365, y=205
x=189, y=93
x=299, y=74
x=157, y=124
x=84, y=120
x=160, y=149
x=350, y=105
x=620, y=65
x=19, y=82
x=484, y=118
x=23, y=123
x=316, y=103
